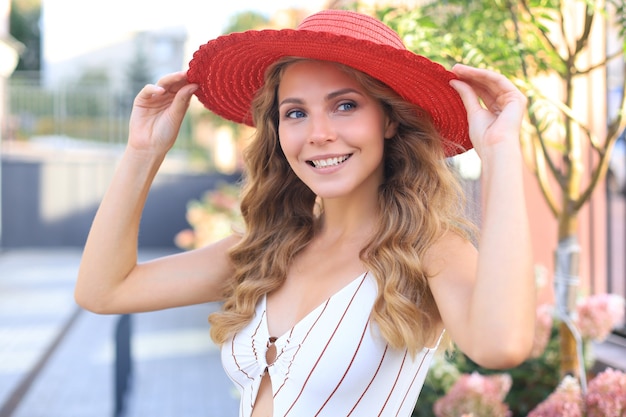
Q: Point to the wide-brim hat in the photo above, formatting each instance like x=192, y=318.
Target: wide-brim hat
x=230, y=69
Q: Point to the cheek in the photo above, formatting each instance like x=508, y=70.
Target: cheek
x=288, y=143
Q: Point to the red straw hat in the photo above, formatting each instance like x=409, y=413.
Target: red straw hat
x=230, y=69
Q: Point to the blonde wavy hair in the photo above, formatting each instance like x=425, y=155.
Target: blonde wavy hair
x=420, y=199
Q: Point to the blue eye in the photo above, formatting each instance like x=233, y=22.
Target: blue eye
x=347, y=106
x=295, y=114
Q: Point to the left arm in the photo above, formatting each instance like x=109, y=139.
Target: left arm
x=487, y=300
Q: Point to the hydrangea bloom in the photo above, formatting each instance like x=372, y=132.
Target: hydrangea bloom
x=598, y=314
x=543, y=328
x=606, y=395
x=565, y=401
x=477, y=395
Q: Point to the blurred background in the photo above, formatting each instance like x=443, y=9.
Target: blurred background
x=69, y=70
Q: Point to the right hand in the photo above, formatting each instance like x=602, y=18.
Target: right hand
x=158, y=112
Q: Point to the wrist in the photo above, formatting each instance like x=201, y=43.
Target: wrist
x=144, y=156
x=142, y=160
x=504, y=155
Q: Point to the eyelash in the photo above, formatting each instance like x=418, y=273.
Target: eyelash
x=348, y=103
x=290, y=113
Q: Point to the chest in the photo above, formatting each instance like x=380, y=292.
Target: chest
x=311, y=281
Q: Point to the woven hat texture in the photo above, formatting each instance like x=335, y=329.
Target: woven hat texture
x=230, y=69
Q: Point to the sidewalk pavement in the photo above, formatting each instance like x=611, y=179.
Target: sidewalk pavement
x=57, y=360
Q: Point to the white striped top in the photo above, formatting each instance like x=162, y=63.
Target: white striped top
x=330, y=363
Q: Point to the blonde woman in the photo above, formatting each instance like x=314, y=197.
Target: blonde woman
x=355, y=259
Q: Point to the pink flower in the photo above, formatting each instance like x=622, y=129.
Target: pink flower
x=196, y=214
x=598, y=315
x=477, y=395
x=223, y=200
x=565, y=401
x=543, y=329
x=606, y=395
x=185, y=239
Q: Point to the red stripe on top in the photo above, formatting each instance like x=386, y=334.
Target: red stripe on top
x=326, y=346
x=394, y=384
x=413, y=381
x=380, y=364
x=346, y=372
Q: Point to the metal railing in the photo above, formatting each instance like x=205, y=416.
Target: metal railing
x=123, y=364
x=86, y=110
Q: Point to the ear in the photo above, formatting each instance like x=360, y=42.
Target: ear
x=391, y=128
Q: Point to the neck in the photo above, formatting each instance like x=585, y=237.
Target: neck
x=354, y=220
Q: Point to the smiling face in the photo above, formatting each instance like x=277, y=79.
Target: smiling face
x=331, y=131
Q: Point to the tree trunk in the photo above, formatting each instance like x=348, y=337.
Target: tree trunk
x=566, y=282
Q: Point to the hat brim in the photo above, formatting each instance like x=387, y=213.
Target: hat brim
x=230, y=70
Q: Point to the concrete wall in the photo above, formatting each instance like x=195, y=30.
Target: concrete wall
x=51, y=201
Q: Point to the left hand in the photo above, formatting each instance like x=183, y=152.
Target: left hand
x=499, y=117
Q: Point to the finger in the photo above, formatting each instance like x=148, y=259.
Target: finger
x=494, y=89
x=149, y=91
x=482, y=76
x=488, y=84
x=183, y=97
x=468, y=96
x=174, y=81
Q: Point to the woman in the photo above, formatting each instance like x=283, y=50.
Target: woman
x=355, y=256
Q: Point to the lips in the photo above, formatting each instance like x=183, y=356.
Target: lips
x=329, y=162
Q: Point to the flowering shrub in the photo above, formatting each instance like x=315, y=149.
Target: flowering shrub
x=543, y=330
x=448, y=391
x=606, y=395
x=212, y=218
x=565, y=401
x=476, y=394
x=598, y=314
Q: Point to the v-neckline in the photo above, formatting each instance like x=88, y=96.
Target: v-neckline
x=310, y=313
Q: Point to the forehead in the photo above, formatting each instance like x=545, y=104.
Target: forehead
x=311, y=75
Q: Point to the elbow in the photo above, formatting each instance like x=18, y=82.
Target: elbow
x=90, y=302
x=503, y=354
x=503, y=360
x=86, y=303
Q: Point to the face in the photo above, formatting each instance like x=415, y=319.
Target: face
x=331, y=131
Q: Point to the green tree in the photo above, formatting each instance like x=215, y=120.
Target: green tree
x=246, y=20
x=526, y=39
x=24, y=26
x=138, y=72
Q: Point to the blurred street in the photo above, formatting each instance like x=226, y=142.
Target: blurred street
x=57, y=360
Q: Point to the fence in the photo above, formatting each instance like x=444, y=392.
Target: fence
x=85, y=110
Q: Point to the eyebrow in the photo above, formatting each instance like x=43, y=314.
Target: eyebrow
x=329, y=96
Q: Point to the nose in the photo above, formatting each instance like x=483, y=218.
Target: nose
x=321, y=129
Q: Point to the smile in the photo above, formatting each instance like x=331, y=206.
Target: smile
x=329, y=162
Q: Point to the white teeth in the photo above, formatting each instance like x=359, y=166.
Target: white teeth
x=322, y=163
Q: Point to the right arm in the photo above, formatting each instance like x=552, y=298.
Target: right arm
x=110, y=280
